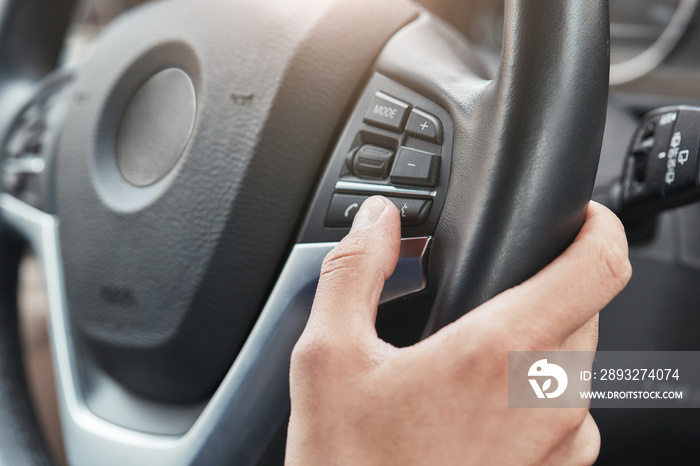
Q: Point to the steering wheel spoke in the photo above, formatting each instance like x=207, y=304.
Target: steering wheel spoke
x=28, y=153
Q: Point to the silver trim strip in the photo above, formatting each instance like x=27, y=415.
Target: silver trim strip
x=252, y=400
x=355, y=187
x=409, y=275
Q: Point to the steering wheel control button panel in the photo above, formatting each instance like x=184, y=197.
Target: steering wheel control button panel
x=415, y=167
x=387, y=112
x=372, y=162
x=424, y=125
x=343, y=208
x=398, y=144
x=29, y=145
x=661, y=169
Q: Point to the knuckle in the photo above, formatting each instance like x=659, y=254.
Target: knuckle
x=590, y=445
x=583, y=416
x=311, y=354
x=346, y=257
x=575, y=442
x=590, y=452
x=573, y=420
x=614, y=268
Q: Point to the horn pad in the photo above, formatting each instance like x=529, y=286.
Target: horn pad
x=175, y=216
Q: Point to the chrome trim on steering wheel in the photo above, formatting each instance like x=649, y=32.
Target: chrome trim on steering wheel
x=386, y=190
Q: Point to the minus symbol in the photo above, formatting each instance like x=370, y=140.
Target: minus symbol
x=411, y=164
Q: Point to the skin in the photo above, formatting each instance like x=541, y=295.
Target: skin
x=358, y=400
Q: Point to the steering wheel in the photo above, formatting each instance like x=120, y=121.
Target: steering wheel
x=183, y=186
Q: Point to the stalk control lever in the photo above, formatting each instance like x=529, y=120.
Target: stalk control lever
x=661, y=167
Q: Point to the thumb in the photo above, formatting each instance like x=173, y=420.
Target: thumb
x=354, y=272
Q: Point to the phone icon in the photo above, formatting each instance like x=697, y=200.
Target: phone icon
x=350, y=208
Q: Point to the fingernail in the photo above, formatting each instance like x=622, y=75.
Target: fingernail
x=369, y=213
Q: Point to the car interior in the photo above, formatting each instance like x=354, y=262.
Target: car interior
x=175, y=171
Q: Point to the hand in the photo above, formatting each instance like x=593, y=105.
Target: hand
x=357, y=400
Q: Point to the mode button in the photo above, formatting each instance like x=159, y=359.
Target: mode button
x=387, y=112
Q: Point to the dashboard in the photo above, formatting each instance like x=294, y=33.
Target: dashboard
x=653, y=46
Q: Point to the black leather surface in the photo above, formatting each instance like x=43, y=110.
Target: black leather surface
x=526, y=145
x=21, y=442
